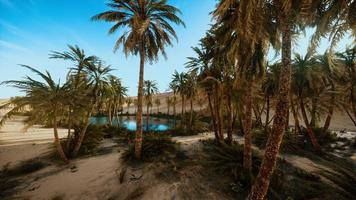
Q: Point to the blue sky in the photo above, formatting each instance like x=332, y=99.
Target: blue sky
x=29, y=29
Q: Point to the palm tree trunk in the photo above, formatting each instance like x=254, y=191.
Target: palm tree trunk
x=147, y=116
x=260, y=187
x=138, y=138
x=311, y=135
x=267, y=113
x=82, y=132
x=58, y=143
x=191, y=113
x=295, y=116
x=230, y=120
x=327, y=121
x=69, y=133
x=247, y=126
x=174, y=115
x=212, y=113
x=350, y=116
x=183, y=105
x=313, y=120
x=110, y=115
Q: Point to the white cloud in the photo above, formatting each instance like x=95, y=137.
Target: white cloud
x=12, y=46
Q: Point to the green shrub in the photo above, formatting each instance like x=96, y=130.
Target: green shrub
x=287, y=182
x=154, y=147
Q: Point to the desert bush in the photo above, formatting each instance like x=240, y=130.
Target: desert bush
x=287, y=182
x=154, y=147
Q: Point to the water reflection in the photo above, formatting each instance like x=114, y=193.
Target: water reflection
x=154, y=123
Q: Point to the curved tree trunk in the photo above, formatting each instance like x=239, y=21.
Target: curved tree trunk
x=147, y=116
x=247, y=126
x=191, y=114
x=260, y=187
x=138, y=137
x=58, y=143
x=212, y=113
x=267, y=113
x=311, y=135
x=327, y=121
x=79, y=142
x=350, y=116
x=295, y=116
x=230, y=119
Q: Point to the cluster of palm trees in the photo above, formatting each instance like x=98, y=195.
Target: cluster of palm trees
x=229, y=69
x=232, y=57
x=89, y=89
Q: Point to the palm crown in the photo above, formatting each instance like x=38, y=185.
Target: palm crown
x=146, y=22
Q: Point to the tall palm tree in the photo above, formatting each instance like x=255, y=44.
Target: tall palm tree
x=47, y=100
x=77, y=78
x=128, y=102
x=178, y=85
x=97, y=76
x=77, y=56
x=149, y=89
x=158, y=103
x=147, y=32
x=190, y=92
x=169, y=103
x=304, y=74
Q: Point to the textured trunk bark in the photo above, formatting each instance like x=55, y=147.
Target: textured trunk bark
x=147, y=116
x=230, y=120
x=138, y=137
x=183, y=105
x=69, y=134
x=58, y=143
x=82, y=133
x=295, y=116
x=174, y=115
x=267, y=114
x=110, y=115
x=212, y=113
x=313, y=120
x=287, y=123
x=191, y=114
x=311, y=135
x=247, y=126
x=327, y=121
x=350, y=116
x=260, y=187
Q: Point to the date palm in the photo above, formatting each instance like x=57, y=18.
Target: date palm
x=97, y=74
x=147, y=30
x=149, y=89
x=128, y=102
x=157, y=103
x=178, y=85
x=47, y=101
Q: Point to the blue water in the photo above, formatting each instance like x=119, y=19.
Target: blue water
x=154, y=124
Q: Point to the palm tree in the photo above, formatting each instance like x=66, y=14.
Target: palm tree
x=147, y=32
x=128, y=102
x=97, y=76
x=77, y=78
x=48, y=102
x=346, y=60
x=168, y=102
x=158, y=103
x=304, y=74
x=190, y=92
x=178, y=85
x=149, y=89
